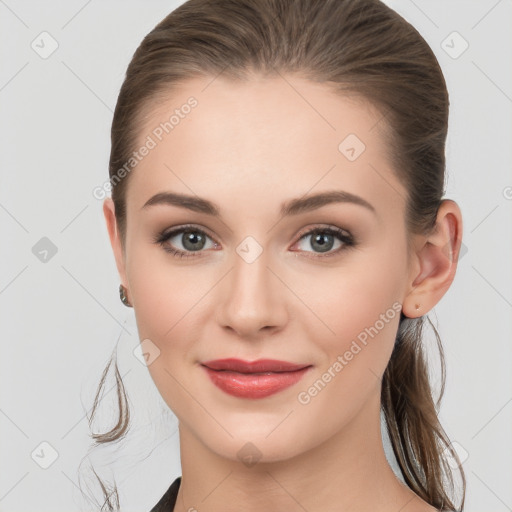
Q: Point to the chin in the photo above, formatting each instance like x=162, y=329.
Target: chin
x=256, y=450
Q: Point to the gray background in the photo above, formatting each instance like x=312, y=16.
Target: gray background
x=61, y=317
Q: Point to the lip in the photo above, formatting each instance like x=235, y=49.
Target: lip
x=253, y=379
x=259, y=366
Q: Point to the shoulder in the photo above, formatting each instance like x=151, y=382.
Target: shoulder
x=168, y=500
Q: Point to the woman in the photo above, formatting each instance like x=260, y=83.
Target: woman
x=278, y=224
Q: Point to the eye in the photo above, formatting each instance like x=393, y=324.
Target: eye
x=192, y=240
x=323, y=239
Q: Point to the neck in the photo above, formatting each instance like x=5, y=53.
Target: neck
x=349, y=471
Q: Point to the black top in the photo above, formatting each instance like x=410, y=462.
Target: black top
x=168, y=500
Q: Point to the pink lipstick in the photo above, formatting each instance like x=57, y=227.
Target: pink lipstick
x=253, y=379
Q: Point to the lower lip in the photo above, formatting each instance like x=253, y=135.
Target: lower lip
x=254, y=385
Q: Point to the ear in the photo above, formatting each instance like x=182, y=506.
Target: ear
x=115, y=239
x=436, y=256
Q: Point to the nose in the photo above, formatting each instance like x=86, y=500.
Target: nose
x=252, y=299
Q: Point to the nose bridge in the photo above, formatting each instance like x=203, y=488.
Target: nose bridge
x=251, y=298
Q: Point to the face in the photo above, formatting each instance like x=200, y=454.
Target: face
x=253, y=274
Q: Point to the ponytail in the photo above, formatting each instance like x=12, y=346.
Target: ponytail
x=420, y=445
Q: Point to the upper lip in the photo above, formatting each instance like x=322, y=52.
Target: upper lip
x=259, y=366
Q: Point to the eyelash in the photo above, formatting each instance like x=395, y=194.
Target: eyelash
x=342, y=235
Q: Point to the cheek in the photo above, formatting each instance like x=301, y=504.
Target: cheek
x=363, y=312
x=168, y=305
x=353, y=297
x=168, y=312
x=165, y=294
x=357, y=315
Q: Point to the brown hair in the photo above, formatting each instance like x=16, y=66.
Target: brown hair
x=358, y=47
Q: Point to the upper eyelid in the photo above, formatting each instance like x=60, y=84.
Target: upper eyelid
x=335, y=229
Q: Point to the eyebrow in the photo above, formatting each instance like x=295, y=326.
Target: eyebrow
x=291, y=207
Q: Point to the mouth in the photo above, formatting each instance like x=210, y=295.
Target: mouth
x=254, y=379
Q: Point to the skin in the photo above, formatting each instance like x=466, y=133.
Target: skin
x=250, y=146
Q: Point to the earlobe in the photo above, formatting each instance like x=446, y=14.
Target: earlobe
x=437, y=257
x=115, y=240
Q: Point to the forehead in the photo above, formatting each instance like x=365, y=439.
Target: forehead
x=279, y=136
